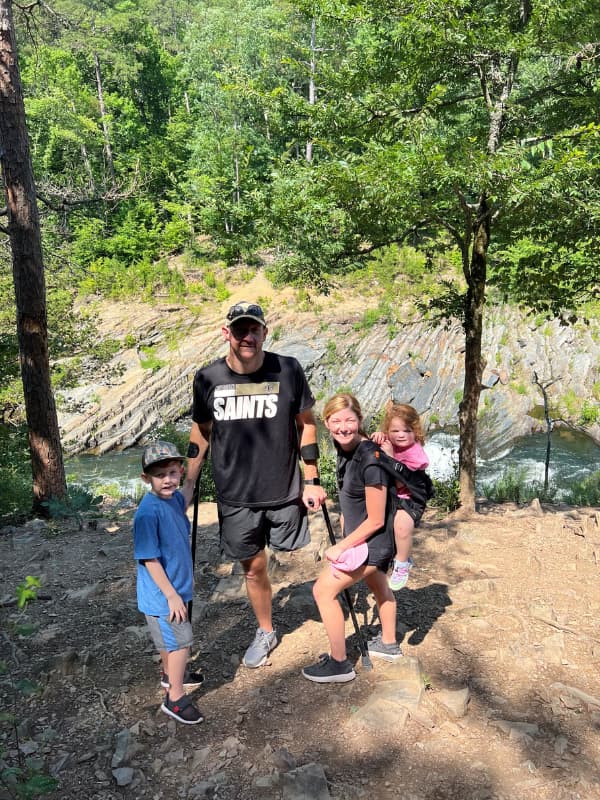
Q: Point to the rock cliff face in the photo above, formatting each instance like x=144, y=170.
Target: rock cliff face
x=416, y=364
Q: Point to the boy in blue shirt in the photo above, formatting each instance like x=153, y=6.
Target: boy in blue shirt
x=165, y=573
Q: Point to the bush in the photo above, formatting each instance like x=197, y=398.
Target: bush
x=512, y=487
x=327, y=470
x=15, y=473
x=446, y=494
x=586, y=493
x=78, y=501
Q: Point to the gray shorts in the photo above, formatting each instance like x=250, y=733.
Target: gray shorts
x=247, y=531
x=170, y=636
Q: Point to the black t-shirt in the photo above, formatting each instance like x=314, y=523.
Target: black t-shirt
x=254, y=440
x=355, y=471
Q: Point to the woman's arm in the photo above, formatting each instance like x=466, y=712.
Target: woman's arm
x=376, y=500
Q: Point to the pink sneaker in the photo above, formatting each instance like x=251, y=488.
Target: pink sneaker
x=399, y=577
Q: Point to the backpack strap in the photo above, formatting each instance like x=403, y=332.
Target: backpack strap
x=417, y=481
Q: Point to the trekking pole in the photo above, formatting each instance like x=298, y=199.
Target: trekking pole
x=364, y=652
x=190, y=604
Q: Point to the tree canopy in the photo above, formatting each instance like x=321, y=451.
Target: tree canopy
x=327, y=131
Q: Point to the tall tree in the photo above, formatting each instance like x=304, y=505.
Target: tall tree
x=23, y=230
x=465, y=124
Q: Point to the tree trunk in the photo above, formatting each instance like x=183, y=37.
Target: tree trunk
x=311, y=86
x=104, y=119
x=473, y=326
x=28, y=273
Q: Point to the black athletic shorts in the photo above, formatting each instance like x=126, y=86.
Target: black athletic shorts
x=247, y=531
x=381, y=549
x=414, y=510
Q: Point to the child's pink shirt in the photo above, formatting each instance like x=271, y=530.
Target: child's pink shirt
x=413, y=457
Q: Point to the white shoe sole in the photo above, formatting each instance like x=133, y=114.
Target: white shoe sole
x=345, y=678
x=385, y=656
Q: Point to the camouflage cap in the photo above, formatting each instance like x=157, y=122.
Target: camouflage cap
x=159, y=451
x=245, y=310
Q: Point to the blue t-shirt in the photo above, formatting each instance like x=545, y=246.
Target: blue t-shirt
x=161, y=530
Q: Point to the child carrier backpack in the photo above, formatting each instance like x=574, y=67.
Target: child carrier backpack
x=417, y=481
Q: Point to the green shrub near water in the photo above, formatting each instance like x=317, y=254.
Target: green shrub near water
x=585, y=493
x=512, y=487
x=445, y=499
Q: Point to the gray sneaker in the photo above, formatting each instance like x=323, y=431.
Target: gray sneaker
x=388, y=652
x=258, y=652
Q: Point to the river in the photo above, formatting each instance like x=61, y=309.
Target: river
x=573, y=457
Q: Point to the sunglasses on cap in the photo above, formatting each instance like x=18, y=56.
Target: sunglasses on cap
x=245, y=310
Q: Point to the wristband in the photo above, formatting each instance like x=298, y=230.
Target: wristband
x=309, y=452
x=312, y=482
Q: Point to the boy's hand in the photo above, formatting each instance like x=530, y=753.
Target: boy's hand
x=177, y=608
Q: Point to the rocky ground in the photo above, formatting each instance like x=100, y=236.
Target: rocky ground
x=498, y=695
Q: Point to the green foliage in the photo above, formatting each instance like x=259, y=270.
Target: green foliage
x=150, y=360
x=105, y=349
x=327, y=469
x=66, y=374
x=570, y=403
x=512, y=487
x=78, y=501
x=28, y=782
x=446, y=498
x=222, y=293
x=586, y=492
x=15, y=473
x=373, y=316
x=590, y=413
x=27, y=590
x=21, y=777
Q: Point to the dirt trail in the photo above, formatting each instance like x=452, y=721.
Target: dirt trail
x=499, y=620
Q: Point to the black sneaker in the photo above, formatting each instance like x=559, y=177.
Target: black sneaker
x=328, y=670
x=191, y=680
x=183, y=710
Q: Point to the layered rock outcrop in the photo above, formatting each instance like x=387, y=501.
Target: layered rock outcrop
x=417, y=364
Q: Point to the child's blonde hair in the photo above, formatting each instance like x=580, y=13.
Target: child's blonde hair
x=408, y=415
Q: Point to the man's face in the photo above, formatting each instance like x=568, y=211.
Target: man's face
x=245, y=337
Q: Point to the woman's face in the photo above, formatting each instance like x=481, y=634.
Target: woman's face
x=343, y=427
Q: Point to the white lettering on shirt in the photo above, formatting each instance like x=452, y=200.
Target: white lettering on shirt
x=245, y=407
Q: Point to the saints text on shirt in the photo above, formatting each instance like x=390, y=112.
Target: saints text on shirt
x=245, y=401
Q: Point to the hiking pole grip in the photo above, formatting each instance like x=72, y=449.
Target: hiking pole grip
x=364, y=652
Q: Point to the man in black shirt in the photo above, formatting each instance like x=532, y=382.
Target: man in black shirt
x=254, y=408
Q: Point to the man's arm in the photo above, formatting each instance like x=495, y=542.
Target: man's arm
x=197, y=449
x=312, y=496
